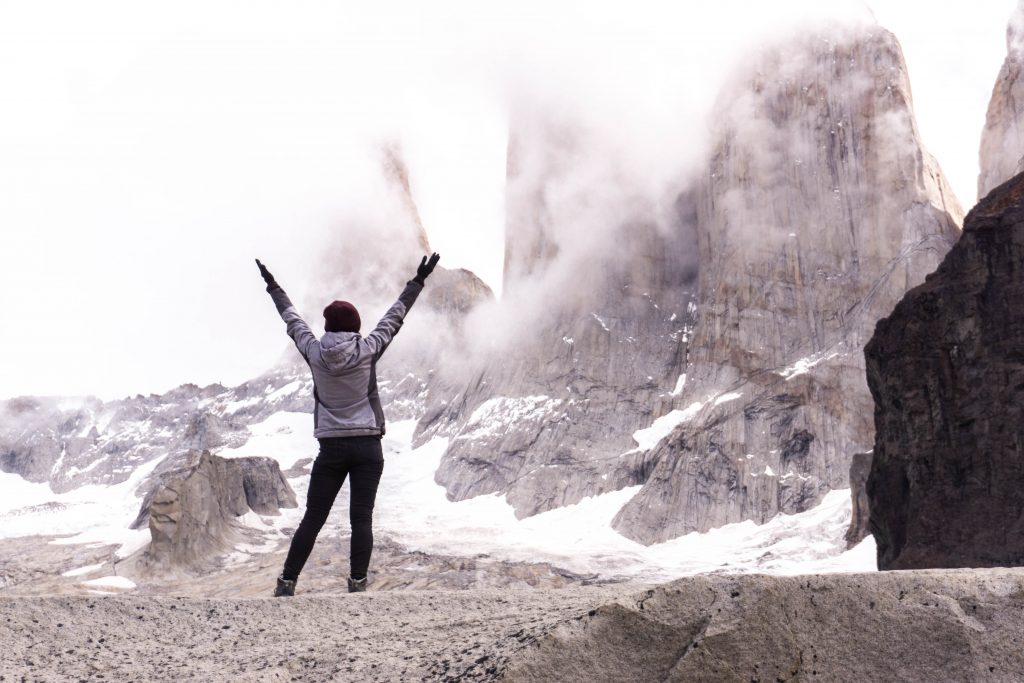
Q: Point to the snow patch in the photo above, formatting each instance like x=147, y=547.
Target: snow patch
x=286, y=437
x=415, y=511
x=75, y=471
x=648, y=438
x=680, y=383
x=111, y=582
x=234, y=406
x=493, y=416
x=104, y=420
x=81, y=571
x=725, y=398
x=254, y=521
x=803, y=365
x=94, y=513
x=286, y=390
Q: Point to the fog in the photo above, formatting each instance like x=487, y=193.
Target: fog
x=149, y=152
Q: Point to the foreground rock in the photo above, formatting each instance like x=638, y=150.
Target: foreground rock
x=946, y=370
x=429, y=636
x=907, y=626
x=962, y=626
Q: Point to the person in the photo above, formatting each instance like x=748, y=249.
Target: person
x=347, y=419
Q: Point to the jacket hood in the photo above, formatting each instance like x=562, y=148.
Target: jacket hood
x=339, y=350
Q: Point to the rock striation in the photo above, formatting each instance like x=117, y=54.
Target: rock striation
x=820, y=208
x=946, y=371
x=191, y=511
x=1002, y=140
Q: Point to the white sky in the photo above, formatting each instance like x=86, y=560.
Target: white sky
x=149, y=151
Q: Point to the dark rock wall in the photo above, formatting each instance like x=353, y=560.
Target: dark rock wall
x=946, y=370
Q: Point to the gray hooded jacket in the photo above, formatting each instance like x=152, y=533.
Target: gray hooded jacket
x=344, y=366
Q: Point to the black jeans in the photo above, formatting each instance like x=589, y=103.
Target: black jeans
x=362, y=458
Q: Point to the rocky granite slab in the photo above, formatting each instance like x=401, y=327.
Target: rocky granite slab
x=962, y=625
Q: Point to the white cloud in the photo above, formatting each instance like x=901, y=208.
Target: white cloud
x=148, y=151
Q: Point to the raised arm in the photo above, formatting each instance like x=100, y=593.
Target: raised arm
x=296, y=327
x=381, y=336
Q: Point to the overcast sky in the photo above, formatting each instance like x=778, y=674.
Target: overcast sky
x=149, y=151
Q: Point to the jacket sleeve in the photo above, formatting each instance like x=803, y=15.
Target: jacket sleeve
x=379, y=339
x=296, y=327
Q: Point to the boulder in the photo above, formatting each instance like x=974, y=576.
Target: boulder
x=946, y=371
x=191, y=512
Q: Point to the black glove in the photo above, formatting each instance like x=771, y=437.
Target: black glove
x=426, y=268
x=267, y=277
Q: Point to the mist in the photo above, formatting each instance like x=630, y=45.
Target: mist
x=149, y=153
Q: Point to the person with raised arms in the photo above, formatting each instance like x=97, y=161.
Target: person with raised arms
x=347, y=419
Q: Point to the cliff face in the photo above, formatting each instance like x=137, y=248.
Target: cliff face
x=820, y=209
x=946, y=370
x=587, y=345
x=1002, y=140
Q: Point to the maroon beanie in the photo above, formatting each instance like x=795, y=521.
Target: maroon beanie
x=341, y=316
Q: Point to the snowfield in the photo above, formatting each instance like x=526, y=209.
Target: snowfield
x=414, y=511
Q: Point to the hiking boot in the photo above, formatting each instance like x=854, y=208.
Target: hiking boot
x=285, y=588
x=357, y=585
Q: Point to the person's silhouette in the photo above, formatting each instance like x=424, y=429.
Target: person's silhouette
x=347, y=419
